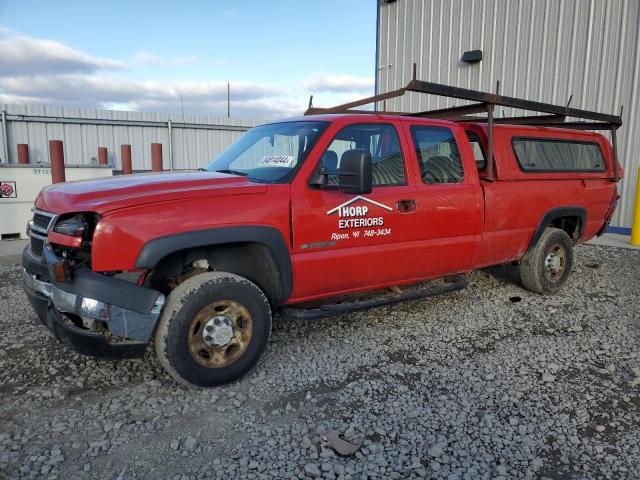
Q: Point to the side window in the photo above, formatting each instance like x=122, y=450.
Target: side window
x=380, y=140
x=438, y=154
x=478, y=152
x=548, y=155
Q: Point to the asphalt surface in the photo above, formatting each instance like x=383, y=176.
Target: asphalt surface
x=489, y=382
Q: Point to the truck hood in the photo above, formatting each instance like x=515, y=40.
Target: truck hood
x=111, y=193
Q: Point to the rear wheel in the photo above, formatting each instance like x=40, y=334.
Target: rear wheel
x=546, y=267
x=213, y=330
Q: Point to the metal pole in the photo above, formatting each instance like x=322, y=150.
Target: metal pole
x=635, y=226
x=228, y=100
x=490, y=170
x=614, y=143
x=23, y=153
x=156, y=157
x=56, y=153
x=125, y=156
x=170, y=144
x=5, y=136
x=103, y=155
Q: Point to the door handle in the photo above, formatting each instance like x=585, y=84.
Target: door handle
x=406, y=206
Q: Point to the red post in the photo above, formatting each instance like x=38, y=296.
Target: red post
x=102, y=155
x=125, y=151
x=56, y=152
x=23, y=153
x=156, y=157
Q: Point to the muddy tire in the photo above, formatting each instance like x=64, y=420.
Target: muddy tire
x=213, y=330
x=545, y=268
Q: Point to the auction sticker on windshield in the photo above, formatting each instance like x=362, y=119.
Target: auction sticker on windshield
x=276, y=161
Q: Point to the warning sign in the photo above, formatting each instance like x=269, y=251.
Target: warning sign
x=8, y=189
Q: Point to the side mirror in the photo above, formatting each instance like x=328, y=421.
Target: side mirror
x=355, y=171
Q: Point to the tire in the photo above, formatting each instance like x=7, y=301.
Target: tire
x=546, y=267
x=200, y=315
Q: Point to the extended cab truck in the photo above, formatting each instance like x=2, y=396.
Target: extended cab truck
x=297, y=213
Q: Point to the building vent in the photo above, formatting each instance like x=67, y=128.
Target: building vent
x=472, y=56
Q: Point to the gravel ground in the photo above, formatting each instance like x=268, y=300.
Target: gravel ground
x=490, y=382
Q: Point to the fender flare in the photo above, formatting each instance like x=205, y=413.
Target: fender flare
x=551, y=215
x=155, y=250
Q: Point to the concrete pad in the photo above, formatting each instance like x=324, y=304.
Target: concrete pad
x=613, y=240
x=11, y=251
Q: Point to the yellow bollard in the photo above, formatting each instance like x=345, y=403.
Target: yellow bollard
x=635, y=226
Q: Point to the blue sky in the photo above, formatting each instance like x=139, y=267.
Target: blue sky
x=143, y=55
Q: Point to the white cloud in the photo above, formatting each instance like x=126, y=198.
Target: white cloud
x=146, y=58
x=21, y=55
x=41, y=71
x=325, y=82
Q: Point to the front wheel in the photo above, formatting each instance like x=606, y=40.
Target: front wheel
x=214, y=329
x=546, y=267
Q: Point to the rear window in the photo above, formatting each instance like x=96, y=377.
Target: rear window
x=478, y=152
x=438, y=154
x=550, y=155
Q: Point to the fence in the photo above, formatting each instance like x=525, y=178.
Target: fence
x=188, y=141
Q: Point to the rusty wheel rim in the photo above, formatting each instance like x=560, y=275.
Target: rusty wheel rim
x=554, y=263
x=220, y=333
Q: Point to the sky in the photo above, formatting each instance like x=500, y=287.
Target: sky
x=166, y=56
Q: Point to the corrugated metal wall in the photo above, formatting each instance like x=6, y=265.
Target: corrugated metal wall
x=544, y=50
x=193, y=145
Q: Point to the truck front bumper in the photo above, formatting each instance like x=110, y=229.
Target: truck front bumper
x=122, y=309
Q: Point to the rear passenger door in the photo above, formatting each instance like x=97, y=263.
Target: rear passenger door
x=450, y=205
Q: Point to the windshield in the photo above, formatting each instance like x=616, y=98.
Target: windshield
x=269, y=153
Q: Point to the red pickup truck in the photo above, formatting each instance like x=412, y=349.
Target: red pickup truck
x=299, y=213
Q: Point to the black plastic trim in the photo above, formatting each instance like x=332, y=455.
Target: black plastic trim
x=359, y=305
x=156, y=249
x=88, y=284
x=551, y=215
x=79, y=340
x=34, y=265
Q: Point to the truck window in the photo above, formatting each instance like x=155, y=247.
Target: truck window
x=269, y=153
x=438, y=154
x=551, y=155
x=478, y=152
x=382, y=142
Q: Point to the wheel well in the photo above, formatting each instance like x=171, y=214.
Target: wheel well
x=251, y=260
x=571, y=224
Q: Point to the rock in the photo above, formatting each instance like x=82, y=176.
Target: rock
x=437, y=450
x=600, y=428
x=548, y=378
x=312, y=470
x=175, y=444
x=190, y=443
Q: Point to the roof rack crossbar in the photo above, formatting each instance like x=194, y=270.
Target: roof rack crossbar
x=529, y=120
x=448, y=112
x=357, y=103
x=504, y=101
x=482, y=99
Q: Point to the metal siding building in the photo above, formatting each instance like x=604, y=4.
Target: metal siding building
x=543, y=50
x=195, y=139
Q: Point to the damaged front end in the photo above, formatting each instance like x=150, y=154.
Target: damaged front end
x=92, y=313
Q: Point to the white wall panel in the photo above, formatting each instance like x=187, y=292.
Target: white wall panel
x=192, y=147
x=544, y=50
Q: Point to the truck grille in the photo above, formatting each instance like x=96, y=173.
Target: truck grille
x=40, y=225
x=41, y=221
x=36, y=246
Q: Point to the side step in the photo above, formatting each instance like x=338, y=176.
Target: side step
x=388, y=299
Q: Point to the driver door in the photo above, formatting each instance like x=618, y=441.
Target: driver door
x=344, y=242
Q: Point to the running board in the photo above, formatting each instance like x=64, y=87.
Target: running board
x=389, y=299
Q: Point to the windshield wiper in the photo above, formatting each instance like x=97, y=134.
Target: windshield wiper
x=233, y=172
